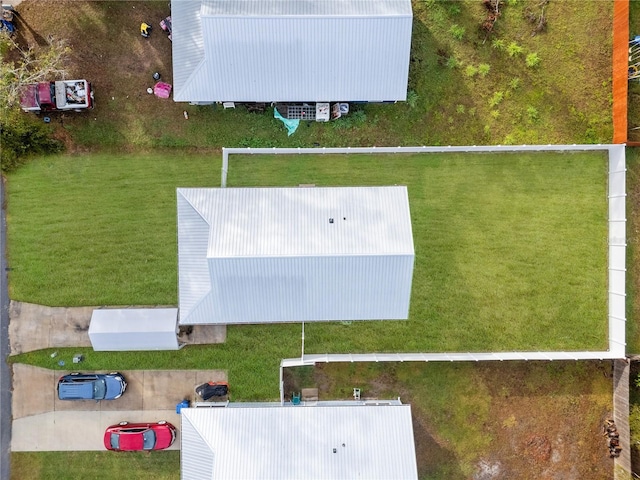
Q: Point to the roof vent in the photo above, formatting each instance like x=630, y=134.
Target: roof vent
x=331, y=220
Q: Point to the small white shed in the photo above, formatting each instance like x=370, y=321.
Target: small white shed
x=268, y=255
x=127, y=329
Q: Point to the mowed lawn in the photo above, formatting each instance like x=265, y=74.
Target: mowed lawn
x=511, y=249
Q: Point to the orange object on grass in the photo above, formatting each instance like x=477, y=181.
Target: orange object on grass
x=620, y=66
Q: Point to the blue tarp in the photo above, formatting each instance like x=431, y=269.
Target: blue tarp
x=290, y=123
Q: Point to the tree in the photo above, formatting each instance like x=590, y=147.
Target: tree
x=20, y=134
x=20, y=66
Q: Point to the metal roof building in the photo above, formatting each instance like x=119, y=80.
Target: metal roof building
x=265, y=255
x=126, y=329
x=290, y=50
x=298, y=442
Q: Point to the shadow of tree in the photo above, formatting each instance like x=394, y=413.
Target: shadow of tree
x=21, y=24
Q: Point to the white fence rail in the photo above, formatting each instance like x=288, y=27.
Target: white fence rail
x=616, y=192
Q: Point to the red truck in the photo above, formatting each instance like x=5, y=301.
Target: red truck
x=65, y=95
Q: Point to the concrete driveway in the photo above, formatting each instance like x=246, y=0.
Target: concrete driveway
x=42, y=422
x=35, y=327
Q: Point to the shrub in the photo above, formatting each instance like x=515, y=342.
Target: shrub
x=470, y=71
x=499, y=44
x=514, y=84
x=532, y=113
x=532, y=60
x=509, y=139
x=457, y=31
x=483, y=69
x=513, y=49
x=496, y=99
x=452, y=62
x=22, y=135
x=454, y=8
x=412, y=98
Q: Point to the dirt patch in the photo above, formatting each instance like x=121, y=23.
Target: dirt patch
x=537, y=448
x=544, y=421
x=544, y=430
x=107, y=50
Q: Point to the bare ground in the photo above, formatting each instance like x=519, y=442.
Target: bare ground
x=107, y=49
x=539, y=428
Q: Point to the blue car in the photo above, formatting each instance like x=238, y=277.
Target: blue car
x=91, y=386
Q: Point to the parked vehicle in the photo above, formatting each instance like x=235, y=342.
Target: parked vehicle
x=127, y=437
x=7, y=23
x=91, y=386
x=64, y=95
x=212, y=389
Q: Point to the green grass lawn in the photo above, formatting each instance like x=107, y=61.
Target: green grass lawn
x=95, y=465
x=100, y=229
x=502, y=261
x=633, y=260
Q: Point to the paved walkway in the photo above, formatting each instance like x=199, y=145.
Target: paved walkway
x=35, y=327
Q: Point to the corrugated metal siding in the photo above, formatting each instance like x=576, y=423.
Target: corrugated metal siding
x=348, y=56
x=194, y=452
x=200, y=313
x=260, y=8
x=118, y=329
x=298, y=442
x=188, y=52
x=257, y=255
x=249, y=222
x=294, y=289
x=193, y=269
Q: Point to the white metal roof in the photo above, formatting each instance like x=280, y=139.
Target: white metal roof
x=256, y=255
x=122, y=329
x=290, y=50
x=248, y=222
x=298, y=442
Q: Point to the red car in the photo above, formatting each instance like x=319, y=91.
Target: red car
x=127, y=437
